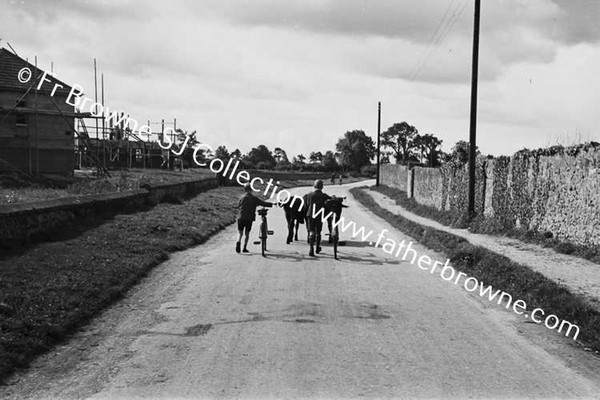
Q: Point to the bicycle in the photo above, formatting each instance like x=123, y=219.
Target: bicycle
x=263, y=231
x=334, y=205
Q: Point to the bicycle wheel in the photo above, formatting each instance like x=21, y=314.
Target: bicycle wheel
x=263, y=234
x=335, y=242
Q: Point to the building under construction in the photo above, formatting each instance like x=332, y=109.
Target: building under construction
x=40, y=133
x=37, y=130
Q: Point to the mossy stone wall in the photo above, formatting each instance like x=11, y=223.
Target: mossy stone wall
x=553, y=190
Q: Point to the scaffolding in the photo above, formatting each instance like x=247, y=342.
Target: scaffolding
x=97, y=145
x=118, y=146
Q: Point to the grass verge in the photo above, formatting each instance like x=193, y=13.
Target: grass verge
x=489, y=226
x=14, y=189
x=56, y=287
x=500, y=272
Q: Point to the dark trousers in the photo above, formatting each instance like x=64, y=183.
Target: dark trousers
x=315, y=226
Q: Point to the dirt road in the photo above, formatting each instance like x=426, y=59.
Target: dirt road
x=213, y=323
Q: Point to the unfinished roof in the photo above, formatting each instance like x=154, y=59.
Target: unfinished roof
x=11, y=64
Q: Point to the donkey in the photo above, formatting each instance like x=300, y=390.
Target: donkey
x=333, y=206
x=294, y=215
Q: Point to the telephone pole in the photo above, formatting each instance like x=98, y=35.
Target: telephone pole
x=473, y=127
x=378, y=135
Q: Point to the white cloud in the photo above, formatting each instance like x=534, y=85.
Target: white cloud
x=297, y=75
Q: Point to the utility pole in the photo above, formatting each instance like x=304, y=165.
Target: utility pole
x=103, y=103
x=473, y=127
x=162, y=136
x=378, y=135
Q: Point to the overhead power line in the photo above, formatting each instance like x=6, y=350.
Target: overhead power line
x=432, y=40
x=453, y=20
x=442, y=30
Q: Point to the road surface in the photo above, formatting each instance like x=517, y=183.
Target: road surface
x=212, y=323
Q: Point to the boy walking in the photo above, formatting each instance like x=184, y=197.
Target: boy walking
x=246, y=215
x=315, y=201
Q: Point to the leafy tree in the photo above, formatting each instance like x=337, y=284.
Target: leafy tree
x=299, y=159
x=355, y=149
x=236, y=154
x=385, y=157
x=186, y=141
x=181, y=138
x=369, y=171
x=261, y=154
x=399, y=137
x=428, y=146
x=316, y=157
x=247, y=163
x=329, y=161
x=460, y=153
x=418, y=143
x=222, y=153
x=280, y=155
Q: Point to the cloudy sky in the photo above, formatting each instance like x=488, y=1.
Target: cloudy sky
x=298, y=74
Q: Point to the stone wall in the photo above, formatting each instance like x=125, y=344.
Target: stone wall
x=31, y=222
x=177, y=190
x=428, y=186
x=558, y=194
x=446, y=188
x=549, y=190
x=394, y=175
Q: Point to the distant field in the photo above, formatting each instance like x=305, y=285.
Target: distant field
x=289, y=175
x=13, y=190
x=293, y=178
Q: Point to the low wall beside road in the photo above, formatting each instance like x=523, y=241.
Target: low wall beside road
x=37, y=221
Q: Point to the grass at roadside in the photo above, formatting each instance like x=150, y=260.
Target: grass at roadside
x=485, y=226
x=496, y=270
x=18, y=190
x=53, y=288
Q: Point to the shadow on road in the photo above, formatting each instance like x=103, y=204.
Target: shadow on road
x=369, y=259
x=351, y=243
x=289, y=256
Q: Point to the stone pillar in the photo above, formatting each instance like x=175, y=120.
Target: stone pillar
x=410, y=182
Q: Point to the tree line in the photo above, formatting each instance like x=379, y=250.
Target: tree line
x=403, y=142
x=354, y=151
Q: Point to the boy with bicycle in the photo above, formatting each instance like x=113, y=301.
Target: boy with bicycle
x=246, y=215
x=315, y=201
